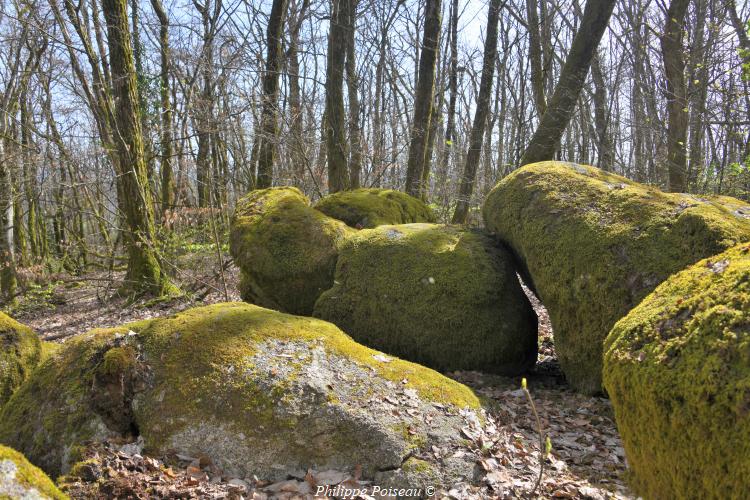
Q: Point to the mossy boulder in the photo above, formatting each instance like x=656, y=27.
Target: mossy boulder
x=20, y=352
x=438, y=295
x=72, y=398
x=21, y=479
x=368, y=208
x=677, y=369
x=285, y=249
x=258, y=391
x=594, y=244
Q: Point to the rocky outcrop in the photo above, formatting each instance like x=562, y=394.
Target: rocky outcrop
x=285, y=249
x=677, y=369
x=20, y=479
x=594, y=244
x=257, y=391
x=442, y=296
x=20, y=352
x=368, y=208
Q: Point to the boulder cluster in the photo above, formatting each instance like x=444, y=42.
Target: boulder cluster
x=648, y=294
x=636, y=313
x=443, y=296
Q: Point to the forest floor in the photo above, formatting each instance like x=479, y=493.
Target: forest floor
x=587, y=458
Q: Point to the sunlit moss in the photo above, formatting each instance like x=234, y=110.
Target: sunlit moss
x=285, y=249
x=20, y=352
x=677, y=368
x=367, y=208
x=437, y=295
x=593, y=244
x=28, y=477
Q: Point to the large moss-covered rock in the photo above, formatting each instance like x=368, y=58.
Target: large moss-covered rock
x=258, y=391
x=20, y=352
x=367, y=208
x=438, y=295
x=593, y=244
x=677, y=368
x=285, y=249
x=20, y=479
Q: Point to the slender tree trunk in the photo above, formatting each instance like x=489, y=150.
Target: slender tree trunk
x=476, y=137
x=742, y=33
x=535, y=56
x=144, y=273
x=335, y=124
x=298, y=145
x=167, y=173
x=205, y=122
x=8, y=282
x=352, y=86
x=29, y=177
x=423, y=99
x=269, y=116
x=561, y=106
x=202, y=158
x=450, y=126
x=677, y=110
x=604, y=147
x=698, y=90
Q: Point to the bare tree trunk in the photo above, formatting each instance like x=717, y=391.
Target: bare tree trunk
x=561, y=106
x=423, y=99
x=604, y=147
x=535, y=56
x=450, y=127
x=298, y=145
x=335, y=124
x=698, y=90
x=352, y=83
x=677, y=111
x=167, y=173
x=468, y=178
x=8, y=281
x=269, y=117
x=205, y=119
x=741, y=31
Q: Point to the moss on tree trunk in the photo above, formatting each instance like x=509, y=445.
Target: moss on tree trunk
x=144, y=273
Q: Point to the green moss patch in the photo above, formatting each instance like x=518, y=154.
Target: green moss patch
x=677, y=368
x=284, y=248
x=368, y=208
x=594, y=244
x=20, y=352
x=247, y=386
x=20, y=479
x=66, y=401
x=438, y=295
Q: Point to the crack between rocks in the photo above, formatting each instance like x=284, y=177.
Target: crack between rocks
x=409, y=455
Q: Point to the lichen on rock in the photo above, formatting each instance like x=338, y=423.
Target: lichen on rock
x=372, y=207
x=677, y=369
x=258, y=391
x=19, y=479
x=442, y=296
x=593, y=244
x=285, y=249
x=20, y=352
